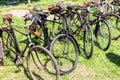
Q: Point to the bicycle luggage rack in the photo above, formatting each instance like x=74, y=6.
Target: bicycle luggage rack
x=1, y=51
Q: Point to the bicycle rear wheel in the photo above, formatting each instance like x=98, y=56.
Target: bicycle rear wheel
x=9, y=46
x=103, y=34
x=65, y=49
x=42, y=64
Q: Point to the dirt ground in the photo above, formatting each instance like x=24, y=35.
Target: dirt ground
x=19, y=13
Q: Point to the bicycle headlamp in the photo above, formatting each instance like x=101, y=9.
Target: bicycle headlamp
x=37, y=9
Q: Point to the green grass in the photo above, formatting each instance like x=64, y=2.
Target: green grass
x=103, y=65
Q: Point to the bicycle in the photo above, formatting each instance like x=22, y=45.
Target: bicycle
x=81, y=23
x=102, y=27
x=38, y=57
x=64, y=47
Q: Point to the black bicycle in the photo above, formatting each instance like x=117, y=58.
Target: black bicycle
x=64, y=46
x=81, y=28
x=102, y=27
x=40, y=62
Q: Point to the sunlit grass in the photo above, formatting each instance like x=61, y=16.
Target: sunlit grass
x=102, y=65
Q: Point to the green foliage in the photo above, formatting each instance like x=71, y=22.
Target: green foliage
x=2, y=2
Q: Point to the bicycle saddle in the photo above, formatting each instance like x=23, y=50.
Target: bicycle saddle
x=7, y=17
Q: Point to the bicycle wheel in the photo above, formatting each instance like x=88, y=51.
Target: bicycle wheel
x=42, y=64
x=103, y=34
x=88, y=41
x=9, y=46
x=65, y=49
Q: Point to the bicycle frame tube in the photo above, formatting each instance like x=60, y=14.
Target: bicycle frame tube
x=65, y=21
x=11, y=32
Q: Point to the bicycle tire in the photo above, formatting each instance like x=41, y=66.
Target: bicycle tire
x=37, y=62
x=71, y=59
x=105, y=43
x=88, y=41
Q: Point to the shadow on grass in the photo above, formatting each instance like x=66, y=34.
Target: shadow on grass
x=20, y=68
x=26, y=72
x=114, y=58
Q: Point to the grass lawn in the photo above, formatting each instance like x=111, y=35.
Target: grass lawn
x=103, y=65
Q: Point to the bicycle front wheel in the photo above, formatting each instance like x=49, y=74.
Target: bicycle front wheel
x=42, y=64
x=103, y=34
x=65, y=49
x=88, y=41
